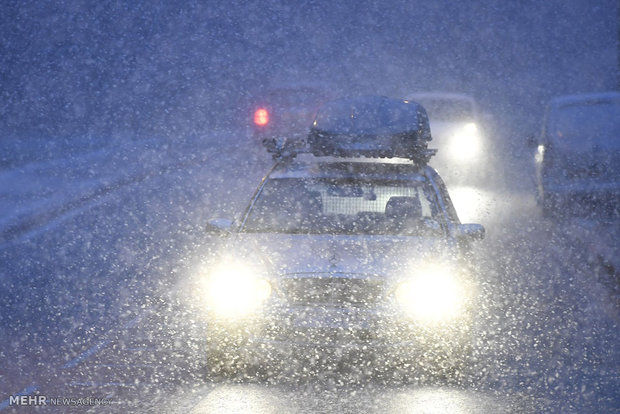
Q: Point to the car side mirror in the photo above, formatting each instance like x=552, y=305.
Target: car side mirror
x=470, y=231
x=220, y=226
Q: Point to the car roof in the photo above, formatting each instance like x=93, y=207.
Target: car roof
x=583, y=97
x=336, y=167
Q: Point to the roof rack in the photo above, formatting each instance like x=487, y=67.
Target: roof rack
x=366, y=126
x=283, y=149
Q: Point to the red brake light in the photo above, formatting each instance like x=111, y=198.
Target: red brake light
x=261, y=117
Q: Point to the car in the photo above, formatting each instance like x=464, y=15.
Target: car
x=346, y=256
x=458, y=132
x=578, y=153
x=287, y=110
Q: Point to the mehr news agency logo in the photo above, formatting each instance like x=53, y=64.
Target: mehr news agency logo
x=42, y=400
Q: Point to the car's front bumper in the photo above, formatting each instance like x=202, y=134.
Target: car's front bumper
x=382, y=340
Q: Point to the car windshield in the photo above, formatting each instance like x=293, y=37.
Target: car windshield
x=447, y=110
x=581, y=127
x=343, y=206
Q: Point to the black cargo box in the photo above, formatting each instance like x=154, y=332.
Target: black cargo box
x=370, y=126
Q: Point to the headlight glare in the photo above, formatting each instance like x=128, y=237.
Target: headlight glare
x=433, y=296
x=234, y=291
x=466, y=143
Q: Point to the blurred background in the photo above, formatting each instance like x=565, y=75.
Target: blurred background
x=94, y=70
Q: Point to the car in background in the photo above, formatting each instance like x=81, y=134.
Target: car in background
x=458, y=134
x=578, y=153
x=287, y=111
x=344, y=255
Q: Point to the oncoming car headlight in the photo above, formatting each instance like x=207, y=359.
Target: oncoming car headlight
x=466, y=143
x=235, y=290
x=434, y=295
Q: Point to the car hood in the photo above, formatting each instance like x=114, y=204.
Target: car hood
x=370, y=255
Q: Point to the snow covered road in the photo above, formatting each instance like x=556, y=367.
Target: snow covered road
x=84, y=310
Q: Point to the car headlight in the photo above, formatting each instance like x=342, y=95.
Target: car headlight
x=466, y=143
x=434, y=295
x=235, y=290
x=540, y=154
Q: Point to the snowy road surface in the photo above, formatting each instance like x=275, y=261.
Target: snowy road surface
x=84, y=313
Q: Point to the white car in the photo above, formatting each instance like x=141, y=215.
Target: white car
x=578, y=152
x=458, y=133
x=338, y=258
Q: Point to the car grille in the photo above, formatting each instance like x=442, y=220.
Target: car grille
x=323, y=336
x=331, y=290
